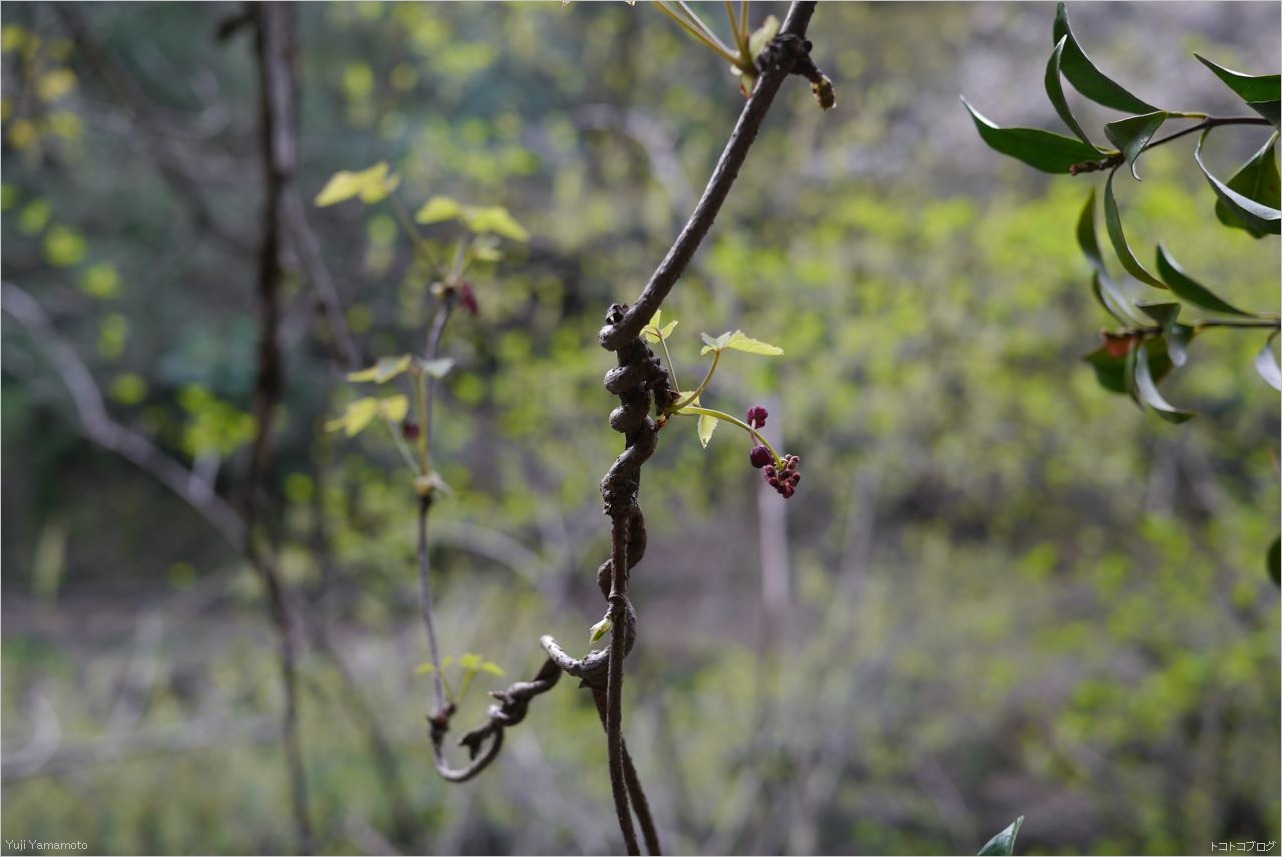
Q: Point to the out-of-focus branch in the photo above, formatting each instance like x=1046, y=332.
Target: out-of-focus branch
x=98, y=426
x=274, y=49
x=650, y=135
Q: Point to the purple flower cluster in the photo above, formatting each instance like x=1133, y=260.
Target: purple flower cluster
x=784, y=479
x=756, y=416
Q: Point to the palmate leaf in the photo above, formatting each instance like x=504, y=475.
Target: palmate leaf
x=1041, y=150
x=739, y=341
x=384, y=370
x=1085, y=77
x=370, y=185
x=1255, y=217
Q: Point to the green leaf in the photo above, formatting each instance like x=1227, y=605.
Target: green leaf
x=438, y=368
x=1262, y=93
x=599, y=630
x=707, y=425
x=717, y=344
x=1085, y=77
x=1113, y=224
x=1189, y=289
x=1267, y=365
x=495, y=219
x=1004, y=842
x=437, y=209
x=762, y=35
x=371, y=185
x=384, y=370
x=355, y=417
x=1256, y=180
x=1042, y=150
x=1055, y=91
x=491, y=668
x=1255, y=217
x=1132, y=134
x=485, y=248
x=739, y=341
x=1146, y=389
x=1275, y=561
x=1178, y=336
x=1105, y=290
x=394, y=408
x=1112, y=372
x=425, y=669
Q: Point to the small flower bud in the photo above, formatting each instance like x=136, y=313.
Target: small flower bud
x=409, y=430
x=467, y=298
x=757, y=416
x=760, y=456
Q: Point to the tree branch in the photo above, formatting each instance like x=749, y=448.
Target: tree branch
x=792, y=35
x=274, y=49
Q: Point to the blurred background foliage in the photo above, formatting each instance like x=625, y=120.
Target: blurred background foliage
x=999, y=591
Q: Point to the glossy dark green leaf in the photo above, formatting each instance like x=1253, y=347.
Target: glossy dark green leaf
x=1113, y=224
x=1132, y=134
x=1262, y=93
x=1257, y=180
x=1107, y=300
x=1275, y=561
x=1004, y=842
x=1189, y=289
x=1086, y=78
x=1178, y=336
x=1255, y=217
x=1055, y=91
x=1267, y=365
x=1042, y=150
x=1112, y=373
x=1102, y=285
x=1146, y=389
x=1270, y=110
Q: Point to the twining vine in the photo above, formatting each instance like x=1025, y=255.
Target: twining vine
x=762, y=59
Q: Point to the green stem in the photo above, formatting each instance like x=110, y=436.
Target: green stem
x=716, y=358
x=400, y=444
x=416, y=238
x=700, y=32
x=672, y=368
x=420, y=407
x=722, y=415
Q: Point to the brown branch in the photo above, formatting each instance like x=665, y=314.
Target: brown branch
x=791, y=39
x=639, y=378
x=274, y=49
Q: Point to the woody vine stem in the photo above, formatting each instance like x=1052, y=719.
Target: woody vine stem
x=639, y=380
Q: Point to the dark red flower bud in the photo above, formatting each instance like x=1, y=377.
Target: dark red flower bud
x=760, y=456
x=409, y=430
x=757, y=416
x=467, y=298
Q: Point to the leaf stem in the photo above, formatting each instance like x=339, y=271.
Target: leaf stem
x=716, y=358
x=401, y=445
x=672, y=368
x=722, y=415
x=411, y=231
